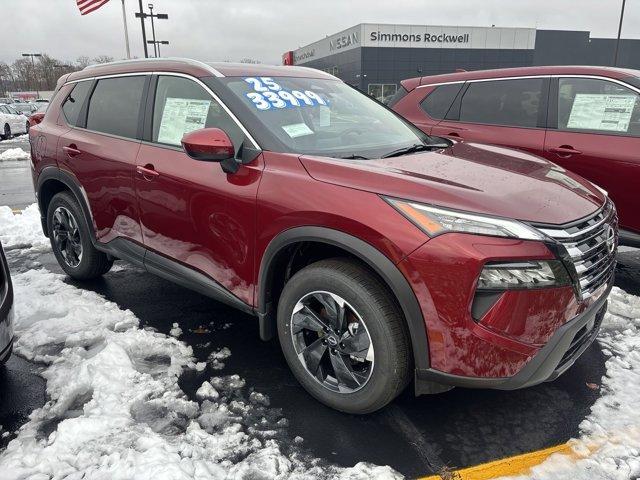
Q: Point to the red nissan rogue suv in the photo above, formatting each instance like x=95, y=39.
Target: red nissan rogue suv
x=380, y=256
x=585, y=119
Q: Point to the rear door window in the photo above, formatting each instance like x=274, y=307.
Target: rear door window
x=73, y=104
x=514, y=103
x=115, y=104
x=599, y=106
x=438, y=102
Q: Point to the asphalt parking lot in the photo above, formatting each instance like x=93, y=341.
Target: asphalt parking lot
x=415, y=436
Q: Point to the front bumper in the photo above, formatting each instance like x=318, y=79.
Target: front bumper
x=524, y=337
x=558, y=355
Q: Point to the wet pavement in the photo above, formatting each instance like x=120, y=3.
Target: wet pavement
x=416, y=436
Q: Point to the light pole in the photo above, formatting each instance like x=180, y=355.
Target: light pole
x=33, y=69
x=615, y=55
x=141, y=16
x=153, y=32
x=159, y=16
x=158, y=43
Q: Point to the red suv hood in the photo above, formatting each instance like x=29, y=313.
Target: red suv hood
x=472, y=177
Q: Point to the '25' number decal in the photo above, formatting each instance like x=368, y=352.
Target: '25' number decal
x=263, y=84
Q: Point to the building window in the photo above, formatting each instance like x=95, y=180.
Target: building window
x=382, y=91
x=334, y=71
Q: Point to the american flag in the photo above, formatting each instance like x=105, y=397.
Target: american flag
x=88, y=6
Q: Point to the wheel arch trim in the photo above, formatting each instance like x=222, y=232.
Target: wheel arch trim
x=371, y=256
x=67, y=179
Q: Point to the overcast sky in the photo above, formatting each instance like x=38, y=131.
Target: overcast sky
x=218, y=30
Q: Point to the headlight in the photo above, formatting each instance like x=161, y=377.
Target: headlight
x=530, y=274
x=435, y=221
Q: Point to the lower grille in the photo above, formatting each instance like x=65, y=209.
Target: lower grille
x=591, y=243
x=584, y=335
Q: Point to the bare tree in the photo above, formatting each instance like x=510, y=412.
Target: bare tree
x=24, y=74
x=102, y=59
x=6, y=78
x=250, y=60
x=83, y=62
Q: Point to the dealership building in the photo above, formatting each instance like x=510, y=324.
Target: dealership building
x=375, y=57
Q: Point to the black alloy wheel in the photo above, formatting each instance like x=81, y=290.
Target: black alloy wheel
x=332, y=342
x=66, y=236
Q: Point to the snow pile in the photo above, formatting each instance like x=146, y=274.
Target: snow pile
x=14, y=154
x=609, y=446
x=116, y=410
x=215, y=359
x=22, y=230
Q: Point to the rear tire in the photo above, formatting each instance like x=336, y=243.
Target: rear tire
x=6, y=132
x=379, y=371
x=71, y=240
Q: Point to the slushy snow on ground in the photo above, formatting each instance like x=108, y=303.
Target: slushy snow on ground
x=14, y=154
x=115, y=409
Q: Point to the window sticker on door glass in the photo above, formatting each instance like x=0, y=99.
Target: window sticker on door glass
x=267, y=95
x=297, y=130
x=601, y=112
x=180, y=116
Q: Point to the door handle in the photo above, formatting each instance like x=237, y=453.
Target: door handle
x=71, y=150
x=564, y=151
x=148, y=171
x=453, y=134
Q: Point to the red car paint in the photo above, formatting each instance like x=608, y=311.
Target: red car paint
x=223, y=225
x=609, y=160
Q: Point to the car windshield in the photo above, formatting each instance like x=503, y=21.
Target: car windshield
x=325, y=117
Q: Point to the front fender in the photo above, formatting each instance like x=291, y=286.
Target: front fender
x=371, y=256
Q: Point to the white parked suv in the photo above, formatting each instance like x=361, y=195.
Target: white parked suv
x=12, y=122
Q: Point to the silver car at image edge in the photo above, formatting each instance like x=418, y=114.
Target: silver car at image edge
x=6, y=309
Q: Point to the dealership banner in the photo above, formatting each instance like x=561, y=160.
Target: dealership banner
x=418, y=36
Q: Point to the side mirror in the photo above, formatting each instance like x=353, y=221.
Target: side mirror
x=208, y=145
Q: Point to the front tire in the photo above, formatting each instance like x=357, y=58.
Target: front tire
x=344, y=336
x=6, y=132
x=71, y=241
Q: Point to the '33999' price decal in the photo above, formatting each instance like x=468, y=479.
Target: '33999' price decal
x=268, y=94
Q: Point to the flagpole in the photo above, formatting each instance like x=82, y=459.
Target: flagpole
x=126, y=30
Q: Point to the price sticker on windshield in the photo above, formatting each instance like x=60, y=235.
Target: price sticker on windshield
x=268, y=94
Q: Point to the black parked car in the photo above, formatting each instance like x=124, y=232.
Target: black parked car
x=6, y=309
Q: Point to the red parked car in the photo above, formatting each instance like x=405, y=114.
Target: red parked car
x=38, y=115
x=379, y=255
x=585, y=119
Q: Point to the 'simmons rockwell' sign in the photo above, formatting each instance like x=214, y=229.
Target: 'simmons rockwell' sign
x=418, y=37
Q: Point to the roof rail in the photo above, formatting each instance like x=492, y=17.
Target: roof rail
x=157, y=60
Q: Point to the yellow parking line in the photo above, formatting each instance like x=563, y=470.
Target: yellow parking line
x=517, y=465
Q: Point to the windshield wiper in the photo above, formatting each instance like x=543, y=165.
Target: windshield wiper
x=353, y=156
x=417, y=147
